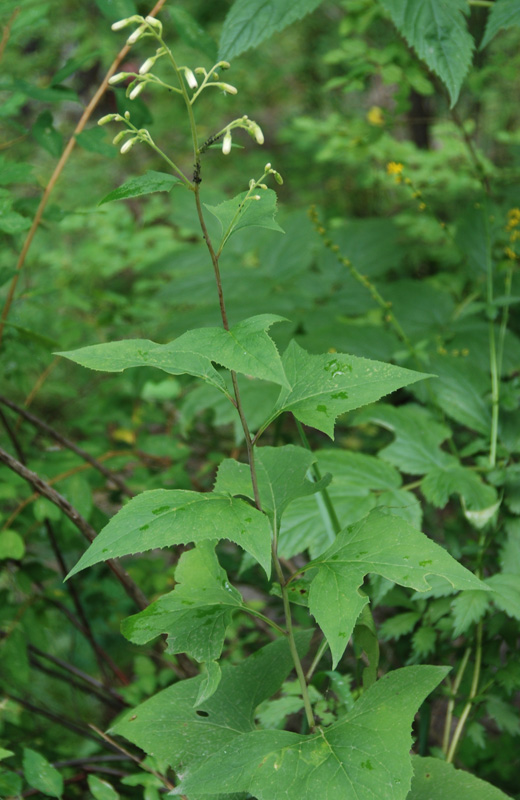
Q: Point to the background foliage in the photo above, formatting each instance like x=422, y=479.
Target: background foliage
x=409, y=256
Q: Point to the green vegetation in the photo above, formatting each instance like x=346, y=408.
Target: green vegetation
x=262, y=353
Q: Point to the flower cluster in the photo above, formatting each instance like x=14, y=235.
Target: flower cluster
x=513, y=229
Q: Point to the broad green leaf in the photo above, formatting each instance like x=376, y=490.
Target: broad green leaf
x=11, y=545
x=504, y=714
x=364, y=755
x=14, y=172
x=325, y=386
x=383, y=545
x=73, y=64
x=163, y=517
x=211, y=677
x=506, y=592
x=460, y=391
x=196, y=614
x=169, y=726
x=251, y=22
x=365, y=639
x=46, y=134
x=5, y=753
x=245, y=211
x=468, y=608
x=245, y=348
x=148, y=183
x=503, y=14
x=473, y=236
x=101, y=790
x=281, y=475
x=441, y=482
x=416, y=449
x=10, y=783
x=437, y=31
x=399, y=625
x=434, y=779
x=95, y=140
x=40, y=774
x=192, y=33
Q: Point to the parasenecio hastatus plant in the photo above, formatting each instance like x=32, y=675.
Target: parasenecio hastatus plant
x=208, y=729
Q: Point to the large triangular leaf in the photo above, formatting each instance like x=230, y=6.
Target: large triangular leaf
x=163, y=517
x=502, y=14
x=169, y=726
x=364, y=756
x=148, y=183
x=245, y=348
x=250, y=22
x=383, y=545
x=281, y=475
x=196, y=614
x=327, y=385
x=437, y=31
x=434, y=779
x=246, y=211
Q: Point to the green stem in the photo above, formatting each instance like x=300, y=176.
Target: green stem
x=296, y=659
x=493, y=362
x=261, y=616
x=450, y=755
x=246, y=199
x=451, y=703
x=170, y=163
x=317, y=658
x=505, y=320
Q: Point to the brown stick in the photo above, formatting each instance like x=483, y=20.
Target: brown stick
x=59, y=169
x=39, y=423
x=7, y=31
x=130, y=587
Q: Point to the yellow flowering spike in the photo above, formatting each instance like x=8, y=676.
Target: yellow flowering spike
x=394, y=168
x=375, y=116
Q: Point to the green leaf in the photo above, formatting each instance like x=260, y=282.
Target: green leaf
x=193, y=34
x=468, y=608
x=10, y=783
x=11, y=545
x=506, y=592
x=365, y=638
x=211, y=677
x=13, y=172
x=5, y=753
x=441, y=482
x=399, y=625
x=251, y=22
x=502, y=15
x=240, y=212
x=366, y=754
x=101, y=790
x=46, y=134
x=40, y=774
x=281, y=474
x=95, y=140
x=196, y=614
x=437, y=31
x=163, y=517
x=169, y=726
x=115, y=10
x=383, y=545
x=245, y=348
x=434, y=779
x=325, y=386
x=460, y=391
x=148, y=183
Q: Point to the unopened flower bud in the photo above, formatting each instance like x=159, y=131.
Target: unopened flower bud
x=257, y=133
x=128, y=145
x=123, y=23
x=224, y=64
x=147, y=65
x=267, y=167
x=226, y=143
x=191, y=80
x=107, y=118
x=278, y=178
x=252, y=183
x=262, y=186
x=118, y=77
x=154, y=23
x=127, y=115
x=132, y=39
x=226, y=87
x=119, y=137
x=136, y=91
x=200, y=71
x=256, y=197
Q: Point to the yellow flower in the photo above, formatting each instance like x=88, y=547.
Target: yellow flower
x=375, y=116
x=510, y=253
x=394, y=168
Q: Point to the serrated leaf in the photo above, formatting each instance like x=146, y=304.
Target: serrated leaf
x=505, y=715
x=192, y=33
x=503, y=14
x=148, y=183
x=469, y=607
x=434, y=779
x=364, y=755
x=399, y=625
x=441, y=482
x=416, y=448
x=281, y=475
x=163, y=517
x=244, y=211
x=423, y=642
x=380, y=544
x=325, y=386
x=40, y=774
x=195, y=615
x=250, y=22
x=437, y=31
x=506, y=592
x=169, y=726
x=245, y=348
x=211, y=677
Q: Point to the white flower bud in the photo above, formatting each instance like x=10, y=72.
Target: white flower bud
x=133, y=38
x=267, y=167
x=136, y=91
x=226, y=143
x=226, y=87
x=146, y=67
x=123, y=23
x=252, y=183
x=127, y=115
x=257, y=133
x=119, y=136
x=200, y=71
x=118, y=77
x=224, y=64
x=278, y=178
x=154, y=23
x=256, y=197
x=262, y=185
x=191, y=80
x=107, y=118
x=128, y=145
